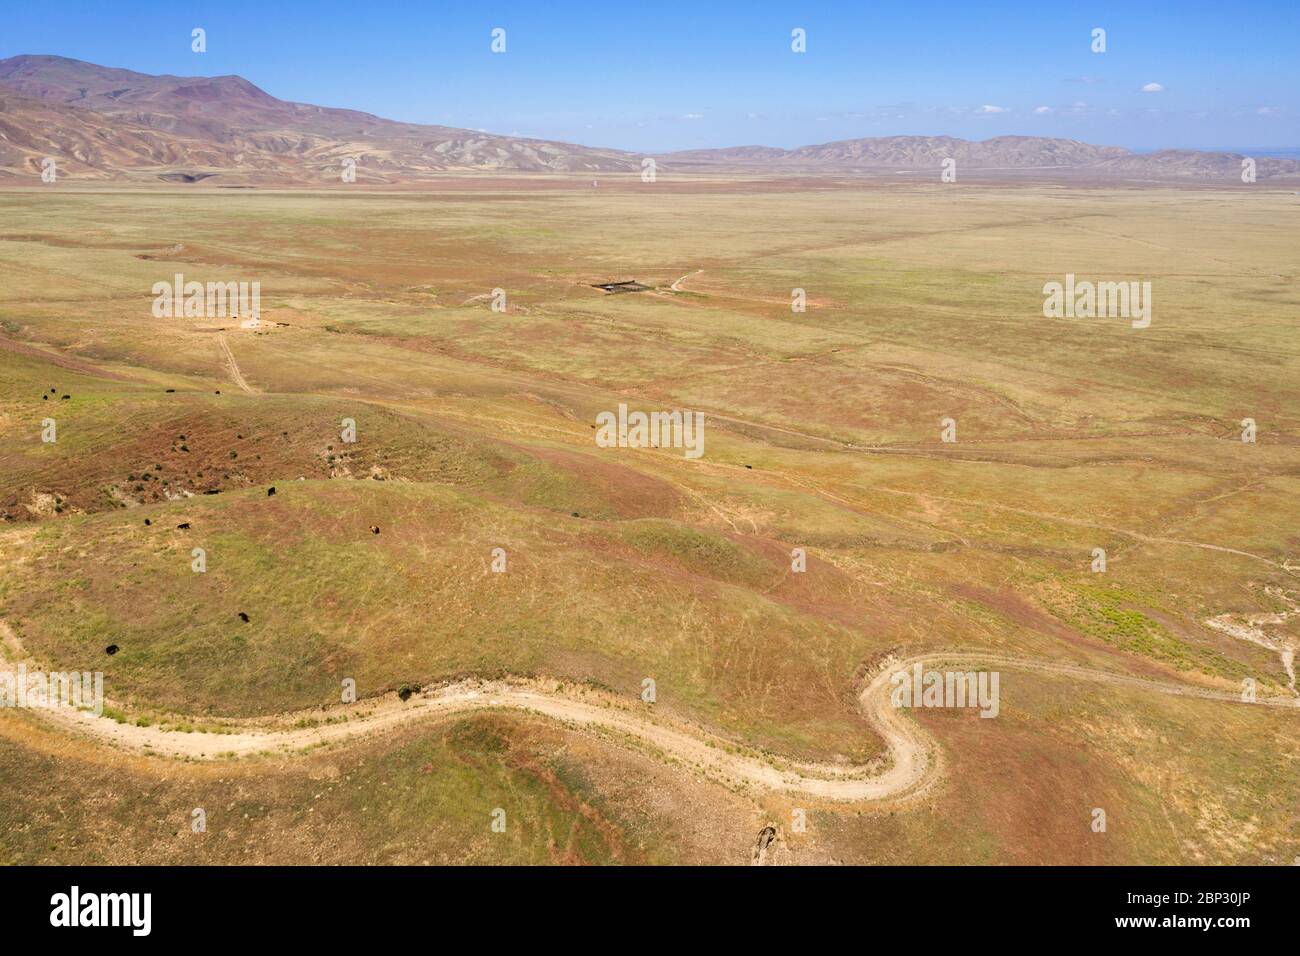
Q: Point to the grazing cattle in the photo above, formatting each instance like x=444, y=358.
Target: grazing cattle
x=170, y=390
x=111, y=650
x=183, y=526
x=270, y=492
x=45, y=398
x=243, y=617
x=147, y=521
x=65, y=398
x=374, y=529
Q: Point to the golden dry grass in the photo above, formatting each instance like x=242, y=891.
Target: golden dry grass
x=823, y=432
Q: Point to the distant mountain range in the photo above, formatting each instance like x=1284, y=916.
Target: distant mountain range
x=1040, y=154
x=104, y=123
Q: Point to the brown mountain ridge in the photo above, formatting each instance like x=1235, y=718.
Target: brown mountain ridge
x=106, y=123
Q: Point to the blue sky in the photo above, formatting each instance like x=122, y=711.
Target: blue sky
x=666, y=75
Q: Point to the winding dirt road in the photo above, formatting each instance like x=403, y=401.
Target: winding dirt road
x=912, y=765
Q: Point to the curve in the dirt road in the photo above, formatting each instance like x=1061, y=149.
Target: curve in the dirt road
x=677, y=284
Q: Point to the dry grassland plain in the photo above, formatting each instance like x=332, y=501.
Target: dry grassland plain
x=476, y=431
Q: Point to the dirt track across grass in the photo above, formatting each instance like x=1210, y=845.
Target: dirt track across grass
x=914, y=763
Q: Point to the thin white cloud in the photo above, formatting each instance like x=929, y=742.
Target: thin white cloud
x=692, y=116
x=986, y=108
x=1041, y=110
x=1153, y=88
x=1266, y=110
